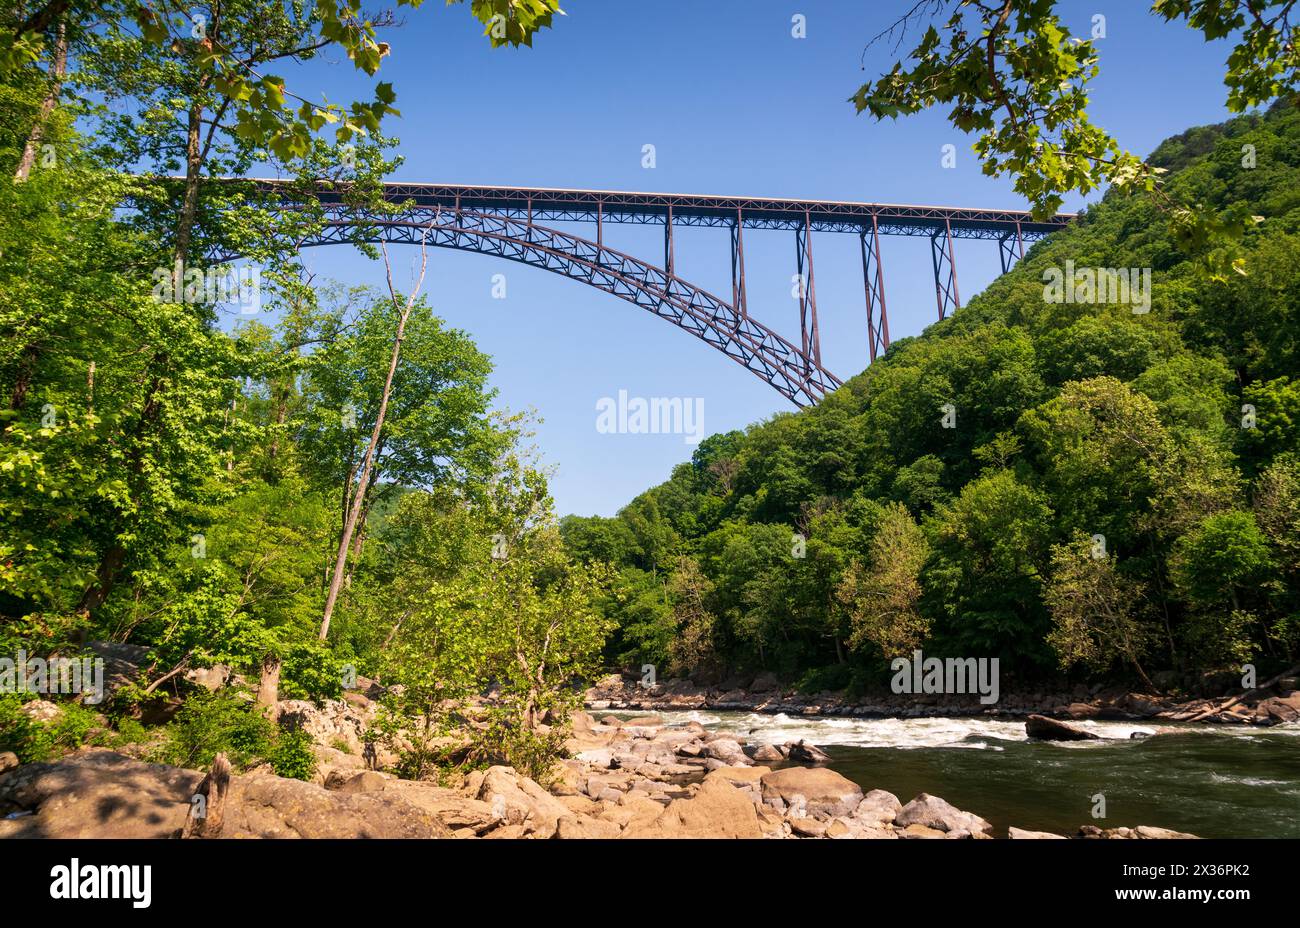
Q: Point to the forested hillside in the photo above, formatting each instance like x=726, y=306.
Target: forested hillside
x=1119, y=493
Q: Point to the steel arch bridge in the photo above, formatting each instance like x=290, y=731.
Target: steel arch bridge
x=509, y=222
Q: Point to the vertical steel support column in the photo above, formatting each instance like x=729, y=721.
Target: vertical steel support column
x=811, y=338
x=873, y=283
x=1011, y=248
x=668, y=242
x=738, y=299
x=945, y=271
x=600, y=223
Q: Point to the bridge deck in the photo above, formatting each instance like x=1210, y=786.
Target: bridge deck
x=549, y=204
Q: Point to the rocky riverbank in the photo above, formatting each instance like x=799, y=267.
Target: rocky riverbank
x=638, y=778
x=765, y=693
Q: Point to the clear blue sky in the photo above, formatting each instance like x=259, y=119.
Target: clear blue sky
x=734, y=105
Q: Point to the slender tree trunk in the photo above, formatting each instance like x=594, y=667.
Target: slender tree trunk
x=190, y=199
x=268, y=687
x=358, y=498
x=57, y=72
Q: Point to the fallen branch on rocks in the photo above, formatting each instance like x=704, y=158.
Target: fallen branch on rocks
x=1215, y=710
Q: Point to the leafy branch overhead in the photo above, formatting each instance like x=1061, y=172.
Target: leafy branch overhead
x=1012, y=73
x=265, y=111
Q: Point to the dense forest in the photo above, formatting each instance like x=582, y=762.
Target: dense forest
x=1070, y=486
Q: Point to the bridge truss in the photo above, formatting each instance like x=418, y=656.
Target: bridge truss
x=511, y=223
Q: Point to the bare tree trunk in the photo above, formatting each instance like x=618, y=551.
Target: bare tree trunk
x=358, y=498
x=58, y=71
x=208, y=807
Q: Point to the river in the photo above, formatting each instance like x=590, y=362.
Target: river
x=1215, y=781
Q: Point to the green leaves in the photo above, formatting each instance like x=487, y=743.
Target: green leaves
x=1265, y=62
x=1014, y=75
x=512, y=22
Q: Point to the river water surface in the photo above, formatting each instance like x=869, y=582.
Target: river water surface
x=1215, y=781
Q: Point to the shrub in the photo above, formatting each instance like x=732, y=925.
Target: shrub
x=39, y=741
x=293, y=756
x=212, y=723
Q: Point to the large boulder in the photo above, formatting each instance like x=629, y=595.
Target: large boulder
x=122, y=663
x=367, y=781
x=727, y=751
x=718, y=810
x=584, y=826
x=1280, y=708
x=96, y=793
x=1045, y=729
x=520, y=800
x=765, y=682
x=275, y=807
x=878, y=808
x=933, y=812
x=209, y=678
x=334, y=723
x=1140, y=832
x=818, y=790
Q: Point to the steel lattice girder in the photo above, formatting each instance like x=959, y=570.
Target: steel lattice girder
x=542, y=204
x=751, y=344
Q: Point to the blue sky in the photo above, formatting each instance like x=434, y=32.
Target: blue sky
x=733, y=105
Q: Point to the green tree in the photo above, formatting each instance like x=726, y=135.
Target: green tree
x=883, y=596
x=1096, y=610
x=692, y=647
x=984, y=580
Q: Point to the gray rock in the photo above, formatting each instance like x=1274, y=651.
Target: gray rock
x=878, y=807
x=933, y=812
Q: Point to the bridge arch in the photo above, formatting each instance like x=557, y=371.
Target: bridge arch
x=772, y=358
